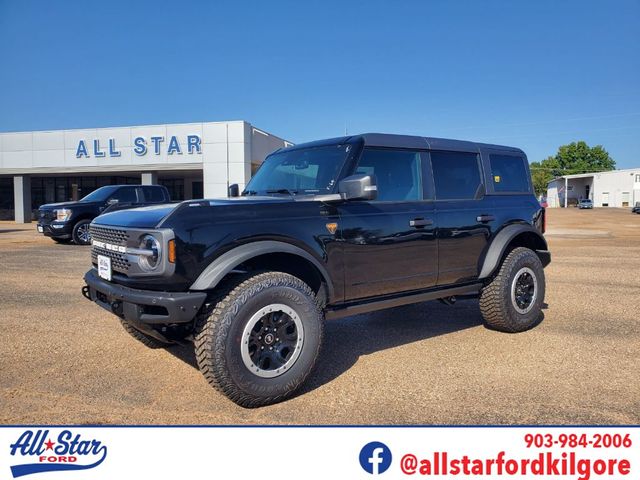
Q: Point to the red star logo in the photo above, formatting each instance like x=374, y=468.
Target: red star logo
x=49, y=444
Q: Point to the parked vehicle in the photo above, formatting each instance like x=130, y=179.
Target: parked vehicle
x=636, y=209
x=69, y=221
x=324, y=230
x=585, y=203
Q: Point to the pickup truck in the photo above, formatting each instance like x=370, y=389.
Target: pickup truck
x=324, y=230
x=69, y=221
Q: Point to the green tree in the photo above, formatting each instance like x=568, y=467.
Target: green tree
x=577, y=157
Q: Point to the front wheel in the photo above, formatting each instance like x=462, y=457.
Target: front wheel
x=81, y=234
x=259, y=340
x=512, y=302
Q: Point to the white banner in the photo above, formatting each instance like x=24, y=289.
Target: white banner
x=571, y=453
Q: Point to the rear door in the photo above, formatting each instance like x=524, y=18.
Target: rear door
x=463, y=214
x=390, y=243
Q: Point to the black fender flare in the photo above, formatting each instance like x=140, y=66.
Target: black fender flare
x=221, y=266
x=501, y=241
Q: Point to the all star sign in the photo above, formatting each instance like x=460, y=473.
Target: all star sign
x=141, y=145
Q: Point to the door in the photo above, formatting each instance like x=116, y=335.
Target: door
x=463, y=214
x=605, y=199
x=389, y=243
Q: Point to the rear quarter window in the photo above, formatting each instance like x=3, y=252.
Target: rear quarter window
x=153, y=194
x=508, y=173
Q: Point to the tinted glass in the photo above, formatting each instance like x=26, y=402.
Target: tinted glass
x=125, y=195
x=153, y=195
x=308, y=170
x=508, y=173
x=397, y=173
x=99, y=195
x=456, y=175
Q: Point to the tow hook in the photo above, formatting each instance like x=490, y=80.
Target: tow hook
x=448, y=300
x=85, y=292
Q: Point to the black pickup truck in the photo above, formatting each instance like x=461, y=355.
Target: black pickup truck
x=324, y=230
x=69, y=221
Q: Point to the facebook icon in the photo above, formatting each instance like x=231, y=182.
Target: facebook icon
x=375, y=458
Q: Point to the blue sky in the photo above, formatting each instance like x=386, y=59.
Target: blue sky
x=533, y=74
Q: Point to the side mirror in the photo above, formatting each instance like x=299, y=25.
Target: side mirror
x=358, y=187
x=112, y=201
x=234, y=190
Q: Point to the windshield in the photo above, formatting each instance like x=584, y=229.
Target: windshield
x=100, y=195
x=305, y=171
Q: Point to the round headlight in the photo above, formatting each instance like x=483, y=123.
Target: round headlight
x=151, y=244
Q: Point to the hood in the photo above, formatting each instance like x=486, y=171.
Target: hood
x=141, y=217
x=52, y=206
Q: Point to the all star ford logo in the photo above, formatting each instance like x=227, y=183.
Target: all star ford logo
x=37, y=451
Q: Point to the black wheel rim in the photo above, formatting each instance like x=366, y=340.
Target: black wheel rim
x=272, y=340
x=524, y=290
x=83, y=233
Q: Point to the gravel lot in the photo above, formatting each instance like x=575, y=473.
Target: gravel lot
x=64, y=360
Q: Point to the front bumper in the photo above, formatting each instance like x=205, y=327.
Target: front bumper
x=142, y=307
x=63, y=230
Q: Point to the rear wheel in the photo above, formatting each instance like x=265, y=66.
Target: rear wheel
x=259, y=340
x=512, y=302
x=81, y=234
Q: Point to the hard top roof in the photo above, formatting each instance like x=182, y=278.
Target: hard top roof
x=407, y=141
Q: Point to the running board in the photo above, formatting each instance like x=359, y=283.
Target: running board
x=399, y=300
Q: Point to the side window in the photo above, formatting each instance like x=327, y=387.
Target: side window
x=456, y=175
x=508, y=173
x=125, y=195
x=398, y=173
x=153, y=194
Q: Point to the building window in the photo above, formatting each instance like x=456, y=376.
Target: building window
x=637, y=177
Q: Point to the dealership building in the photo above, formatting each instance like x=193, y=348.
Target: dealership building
x=616, y=188
x=193, y=160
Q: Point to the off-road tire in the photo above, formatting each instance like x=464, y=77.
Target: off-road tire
x=496, y=304
x=219, y=334
x=76, y=233
x=143, y=338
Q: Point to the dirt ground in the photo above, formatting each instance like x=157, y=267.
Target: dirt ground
x=64, y=360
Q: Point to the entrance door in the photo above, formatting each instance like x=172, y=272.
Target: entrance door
x=605, y=199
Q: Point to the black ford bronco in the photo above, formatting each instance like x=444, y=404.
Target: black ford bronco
x=323, y=230
x=69, y=221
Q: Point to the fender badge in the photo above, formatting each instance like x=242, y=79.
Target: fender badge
x=332, y=227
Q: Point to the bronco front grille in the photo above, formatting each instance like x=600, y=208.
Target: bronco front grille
x=112, y=237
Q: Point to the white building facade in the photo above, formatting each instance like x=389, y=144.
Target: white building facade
x=616, y=188
x=193, y=160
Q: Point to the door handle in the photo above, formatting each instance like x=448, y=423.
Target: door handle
x=420, y=222
x=485, y=218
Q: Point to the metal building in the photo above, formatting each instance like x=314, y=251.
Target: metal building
x=616, y=188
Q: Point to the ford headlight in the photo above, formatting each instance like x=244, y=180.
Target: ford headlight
x=63, y=214
x=150, y=252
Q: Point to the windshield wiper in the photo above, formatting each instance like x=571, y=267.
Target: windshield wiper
x=249, y=192
x=285, y=191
